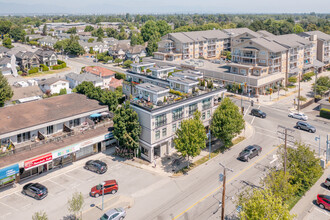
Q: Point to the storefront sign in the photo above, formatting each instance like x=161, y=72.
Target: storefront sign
x=9, y=171
x=38, y=161
x=65, y=151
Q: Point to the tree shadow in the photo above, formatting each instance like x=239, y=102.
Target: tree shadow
x=69, y=217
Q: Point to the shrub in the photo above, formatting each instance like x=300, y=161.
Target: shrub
x=176, y=99
x=307, y=76
x=148, y=71
x=63, y=91
x=33, y=70
x=60, y=65
x=176, y=92
x=120, y=76
x=128, y=63
x=325, y=113
x=44, y=67
x=302, y=98
x=20, y=73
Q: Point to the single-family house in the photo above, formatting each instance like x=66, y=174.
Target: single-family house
x=135, y=53
x=47, y=57
x=76, y=79
x=54, y=85
x=115, y=83
x=47, y=41
x=3, y=51
x=27, y=59
x=5, y=65
x=105, y=74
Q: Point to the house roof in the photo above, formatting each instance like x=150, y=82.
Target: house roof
x=48, y=39
x=88, y=77
x=205, y=35
x=114, y=83
x=22, y=54
x=51, y=81
x=45, y=111
x=136, y=49
x=182, y=80
x=25, y=92
x=99, y=71
x=4, y=60
x=265, y=33
x=44, y=53
x=180, y=37
x=3, y=49
x=233, y=32
x=268, y=44
x=290, y=40
x=319, y=34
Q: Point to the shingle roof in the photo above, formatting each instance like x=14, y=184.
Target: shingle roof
x=51, y=81
x=4, y=60
x=44, y=53
x=3, y=49
x=44, y=111
x=290, y=40
x=238, y=31
x=268, y=44
x=25, y=92
x=99, y=71
x=265, y=33
x=88, y=77
x=205, y=35
x=180, y=37
x=319, y=34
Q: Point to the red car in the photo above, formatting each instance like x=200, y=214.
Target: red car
x=323, y=201
x=110, y=186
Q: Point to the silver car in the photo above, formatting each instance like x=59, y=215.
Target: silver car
x=327, y=182
x=300, y=116
x=114, y=214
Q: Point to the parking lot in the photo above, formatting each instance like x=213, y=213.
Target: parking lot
x=63, y=183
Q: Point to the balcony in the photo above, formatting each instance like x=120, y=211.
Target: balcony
x=248, y=55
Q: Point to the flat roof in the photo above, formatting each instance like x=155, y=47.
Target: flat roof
x=182, y=80
x=25, y=115
x=152, y=87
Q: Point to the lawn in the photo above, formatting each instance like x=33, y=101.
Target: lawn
x=47, y=72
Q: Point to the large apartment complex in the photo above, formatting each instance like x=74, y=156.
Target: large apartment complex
x=163, y=102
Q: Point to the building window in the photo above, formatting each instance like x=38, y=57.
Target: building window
x=50, y=129
x=203, y=116
x=177, y=114
x=206, y=104
x=179, y=124
x=54, y=86
x=262, y=61
x=144, y=151
x=76, y=122
x=157, y=135
x=208, y=114
x=63, y=84
x=192, y=108
x=160, y=120
x=173, y=128
x=164, y=132
x=23, y=137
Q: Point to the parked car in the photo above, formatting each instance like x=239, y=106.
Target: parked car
x=35, y=190
x=96, y=166
x=114, y=214
x=110, y=186
x=258, y=113
x=323, y=201
x=327, y=182
x=249, y=152
x=301, y=125
x=297, y=115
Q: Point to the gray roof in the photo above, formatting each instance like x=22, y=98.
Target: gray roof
x=187, y=74
x=319, y=34
x=269, y=44
x=22, y=54
x=4, y=60
x=290, y=40
x=265, y=33
x=180, y=37
x=3, y=49
x=162, y=67
x=88, y=77
x=205, y=35
x=152, y=87
x=51, y=80
x=182, y=80
x=44, y=53
x=233, y=32
x=48, y=39
x=15, y=50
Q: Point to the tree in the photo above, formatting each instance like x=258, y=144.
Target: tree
x=262, y=205
x=63, y=91
x=17, y=33
x=163, y=27
x=5, y=90
x=227, y=122
x=98, y=33
x=292, y=79
x=322, y=85
x=72, y=30
x=152, y=45
x=5, y=26
x=118, y=61
x=40, y=216
x=44, y=30
x=149, y=29
x=89, y=28
x=61, y=44
x=298, y=29
x=127, y=128
x=136, y=39
x=99, y=39
x=7, y=43
x=128, y=63
x=111, y=32
x=72, y=46
x=190, y=137
x=91, y=50
x=90, y=40
x=76, y=203
x=110, y=99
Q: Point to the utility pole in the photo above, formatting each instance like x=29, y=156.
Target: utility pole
x=282, y=133
x=319, y=139
x=224, y=191
x=315, y=71
x=209, y=134
x=298, y=92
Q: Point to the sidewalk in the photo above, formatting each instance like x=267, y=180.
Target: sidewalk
x=306, y=206
x=168, y=165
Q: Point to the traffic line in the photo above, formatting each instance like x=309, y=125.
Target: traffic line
x=9, y=206
x=254, y=116
x=219, y=187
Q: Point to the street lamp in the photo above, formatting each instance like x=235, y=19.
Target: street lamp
x=319, y=139
x=103, y=183
x=209, y=136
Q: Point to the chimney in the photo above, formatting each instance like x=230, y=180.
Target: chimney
x=313, y=37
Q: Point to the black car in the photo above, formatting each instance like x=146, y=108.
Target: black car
x=301, y=125
x=35, y=190
x=96, y=166
x=258, y=113
x=249, y=152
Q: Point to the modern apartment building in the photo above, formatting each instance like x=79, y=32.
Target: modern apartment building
x=189, y=45
x=162, y=104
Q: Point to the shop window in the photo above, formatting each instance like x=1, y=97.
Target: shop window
x=50, y=129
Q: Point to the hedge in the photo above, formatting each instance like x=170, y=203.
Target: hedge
x=325, y=113
x=44, y=67
x=60, y=65
x=33, y=70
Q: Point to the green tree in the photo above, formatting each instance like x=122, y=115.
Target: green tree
x=76, y=203
x=111, y=32
x=136, y=39
x=190, y=137
x=40, y=216
x=72, y=30
x=7, y=43
x=322, y=85
x=73, y=46
x=152, y=45
x=61, y=44
x=110, y=99
x=163, y=27
x=17, y=33
x=262, y=205
x=297, y=29
x=127, y=63
x=227, y=122
x=292, y=79
x=90, y=40
x=44, y=30
x=91, y=50
x=149, y=29
x=63, y=91
x=5, y=26
x=99, y=39
x=89, y=28
x=118, y=61
x=98, y=33
x=5, y=90
x=127, y=128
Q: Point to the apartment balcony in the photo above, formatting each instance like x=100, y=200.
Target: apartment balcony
x=211, y=43
x=249, y=55
x=185, y=52
x=211, y=55
x=211, y=48
x=293, y=59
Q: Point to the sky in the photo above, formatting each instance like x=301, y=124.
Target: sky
x=162, y=6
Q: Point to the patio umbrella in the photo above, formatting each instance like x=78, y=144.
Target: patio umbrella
x=95, y=115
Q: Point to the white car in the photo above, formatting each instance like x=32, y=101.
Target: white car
x=300, y=116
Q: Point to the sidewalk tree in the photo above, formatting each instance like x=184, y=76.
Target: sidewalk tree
x=190, y=137
x=262, y=205
x=127, y=128
x=5, y=90
x=227, y=122
x=128, y=63
x=292, y=80
x=322, y=85
x=40, y=216
x=118, y=61
x=76, y=203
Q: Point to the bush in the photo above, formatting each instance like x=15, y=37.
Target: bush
x=176, y=92
x=128, y=63
x=63, y=91
x=307, y=76
x=325, y=113
x=148, y=71
x=60, y=65
x=33, y=70
x=302, y=98
x=44, y=67
x=120, y=76
x=20, y=73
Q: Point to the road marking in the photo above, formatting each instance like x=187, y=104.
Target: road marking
x=265, y=129
x=321, y=210
x=219, y=187
x=247, y=110
x=254, y=116
x=266, y=135
x=275, y=159
x=9, y=206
